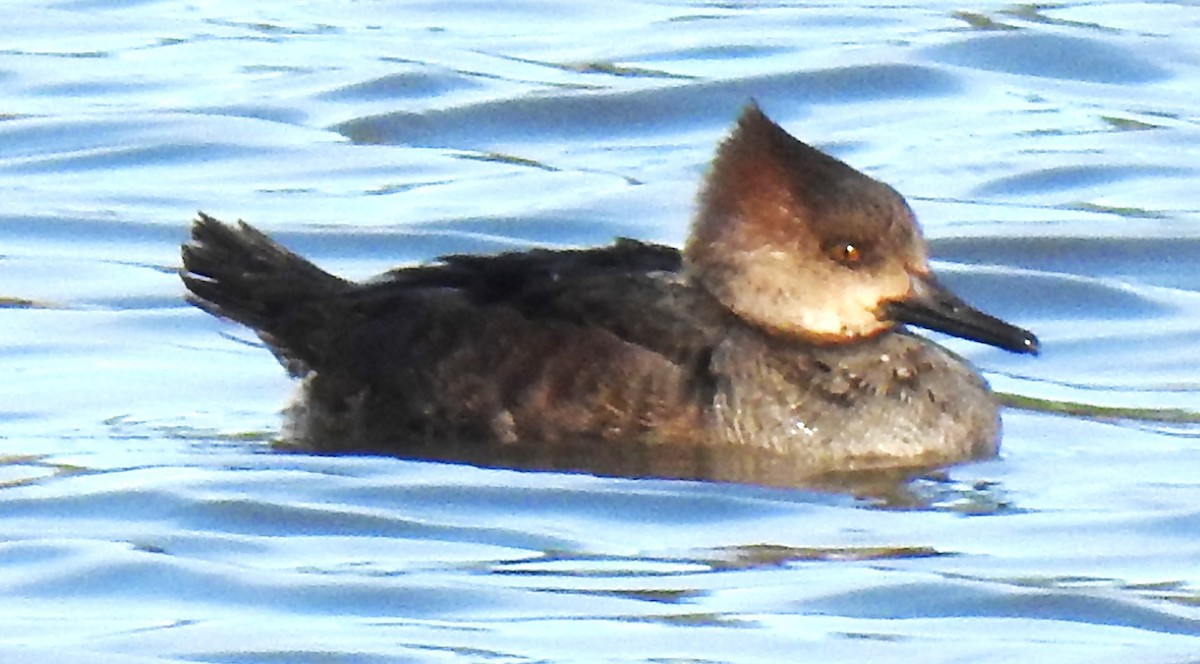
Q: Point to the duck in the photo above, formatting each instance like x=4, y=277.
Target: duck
x=774, y=348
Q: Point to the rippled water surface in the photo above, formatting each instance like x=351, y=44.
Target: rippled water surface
x=1052, y=152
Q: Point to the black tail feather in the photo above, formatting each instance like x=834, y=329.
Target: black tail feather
x=236, y=272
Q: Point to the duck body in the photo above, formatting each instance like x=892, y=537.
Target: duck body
x=634, y=359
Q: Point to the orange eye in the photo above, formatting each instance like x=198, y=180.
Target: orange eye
x=846, y=253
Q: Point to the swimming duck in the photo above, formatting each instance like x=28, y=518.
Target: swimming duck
x=771, y=350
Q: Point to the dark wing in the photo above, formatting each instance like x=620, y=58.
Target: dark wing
x=633, y=290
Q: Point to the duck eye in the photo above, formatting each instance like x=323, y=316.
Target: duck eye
x=846, y=253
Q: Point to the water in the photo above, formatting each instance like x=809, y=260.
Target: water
x=1051, y=152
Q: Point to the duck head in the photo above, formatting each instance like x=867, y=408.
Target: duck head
x=799, y=243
